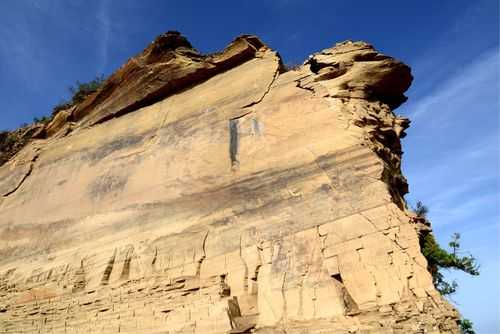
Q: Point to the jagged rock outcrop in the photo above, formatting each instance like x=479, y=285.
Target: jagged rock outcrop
x=220, y=194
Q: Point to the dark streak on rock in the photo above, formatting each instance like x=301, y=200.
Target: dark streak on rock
x=113, y=146
x=106, y=184
x=233, y=142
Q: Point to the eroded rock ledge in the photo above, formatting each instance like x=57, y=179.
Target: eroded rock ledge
x=220, y=194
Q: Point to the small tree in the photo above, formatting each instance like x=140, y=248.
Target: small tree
x=466, y=327
x=439, y=259
x=421, y=210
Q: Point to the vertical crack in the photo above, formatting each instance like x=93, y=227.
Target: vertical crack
x=108, y=269
x=200, y=261
x=126, y=264
x=79, y=281
x=284, y=315
x=245, y=284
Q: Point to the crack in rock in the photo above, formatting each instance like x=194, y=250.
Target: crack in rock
x=28, y=173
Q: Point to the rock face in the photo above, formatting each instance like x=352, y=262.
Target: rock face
x=220, y=194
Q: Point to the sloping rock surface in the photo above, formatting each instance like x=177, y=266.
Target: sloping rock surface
x=220, y=194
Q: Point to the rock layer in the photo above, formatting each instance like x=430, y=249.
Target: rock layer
x=220, y=194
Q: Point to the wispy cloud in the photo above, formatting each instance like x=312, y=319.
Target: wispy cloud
x=20, y=52
x=466, y=209
x=454, y=47
x=465, y=156
x=464, y=86
x=26, y=43
x=104, y=20
x=452, y=163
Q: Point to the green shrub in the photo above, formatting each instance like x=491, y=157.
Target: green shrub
x=61, y=106
x=6, y=139
x=421, y=210
x=290, y=67
x=11, y=139
x=83, y=89
x=44, y=119
x=466, y=326
x=79, y=93
x=439, y=259
x=13, y=142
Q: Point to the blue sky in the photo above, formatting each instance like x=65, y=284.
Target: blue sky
x=452, y=148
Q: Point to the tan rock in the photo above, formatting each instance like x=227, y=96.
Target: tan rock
x=220, y=194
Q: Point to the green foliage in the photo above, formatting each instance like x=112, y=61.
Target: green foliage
x=291, y=67
x=78, y=93
x=83, y=89
x=44, y=119
x=438, y=258
x=10, y=139
x=9, y=145
x=421, y=210
x=7, y=139
x=466, y=326
x=13, y=142
x=61, y=106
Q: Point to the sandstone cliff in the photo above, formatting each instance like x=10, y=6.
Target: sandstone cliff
x=220, y=194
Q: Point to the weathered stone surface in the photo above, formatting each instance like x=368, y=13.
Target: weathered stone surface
x=167, y=66
x=220, y=194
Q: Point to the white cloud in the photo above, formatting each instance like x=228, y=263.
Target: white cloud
x=452, y=159
x=465, y=166
x=457, y=212
x=105, y=31
x=465, y=85
x=26, y=51
x=20, y=52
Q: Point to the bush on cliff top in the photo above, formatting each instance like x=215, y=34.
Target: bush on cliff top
x=79, y=92
x=12, y=142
